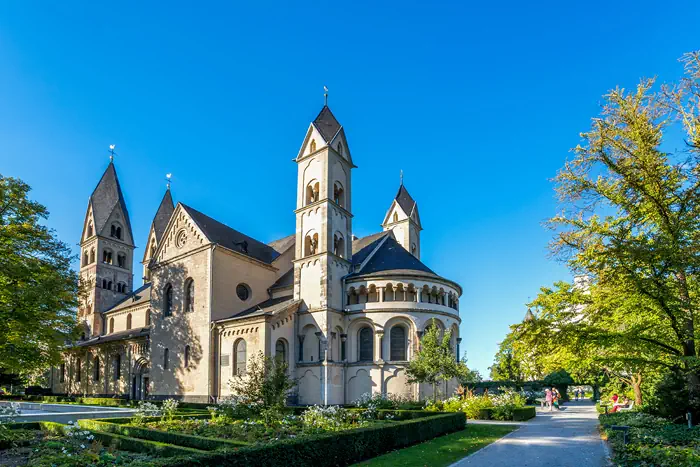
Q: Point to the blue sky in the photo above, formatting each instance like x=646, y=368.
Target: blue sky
x=479, y=104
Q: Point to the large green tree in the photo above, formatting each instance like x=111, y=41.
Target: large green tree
x=630, y=219
x=435, y=362
x=38, y=288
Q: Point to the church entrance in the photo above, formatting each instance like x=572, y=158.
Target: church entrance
x=140, y=381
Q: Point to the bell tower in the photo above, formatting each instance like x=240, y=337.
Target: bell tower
x=402, y=218
x=106, y=253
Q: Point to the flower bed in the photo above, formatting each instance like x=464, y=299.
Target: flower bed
x=652, y=440
x=506, y=405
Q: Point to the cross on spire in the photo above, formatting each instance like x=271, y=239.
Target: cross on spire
x=167, y=179
x=402, y=177
x=325, y=95
x=111, y=152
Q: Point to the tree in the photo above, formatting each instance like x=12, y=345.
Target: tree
x=506, y=367
x=38, y=288
x=631, y=212
x=435, y=361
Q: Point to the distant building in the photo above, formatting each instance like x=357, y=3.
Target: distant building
x=346, y=313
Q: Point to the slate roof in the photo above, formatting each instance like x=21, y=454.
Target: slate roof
x=283, y=244
x=326, y=124
x=137, y=297
x=285, y=280
x=232, y=239
x=106, y=196
x=270, y=306
x=163, y=215
x=117, y=336
x=362, y=247
x=392, y=258
x=405, y=200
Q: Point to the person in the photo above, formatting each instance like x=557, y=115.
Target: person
x=625, y=403
x=555, y=398
x=548, y=398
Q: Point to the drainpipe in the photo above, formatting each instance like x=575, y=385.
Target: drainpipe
x=211, y=294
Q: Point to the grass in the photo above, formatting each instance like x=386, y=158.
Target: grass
x=444, y=450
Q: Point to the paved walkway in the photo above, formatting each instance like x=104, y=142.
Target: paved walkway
x=566, y=438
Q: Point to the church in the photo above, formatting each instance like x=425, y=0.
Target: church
x=345, y=313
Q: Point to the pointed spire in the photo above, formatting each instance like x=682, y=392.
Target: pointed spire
x=529, y=316
x=106, y=197
x=404, y=199
x=163, y=214
x=326, y=124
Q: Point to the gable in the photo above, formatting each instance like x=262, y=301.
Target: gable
x=313, y=137
x=117, y=218
x=181, y=236
x=88, y=223
x=395, y=208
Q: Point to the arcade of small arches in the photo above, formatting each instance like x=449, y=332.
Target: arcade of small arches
x=313, y=193
x=401, y=293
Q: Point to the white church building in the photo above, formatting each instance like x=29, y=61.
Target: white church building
x=345, y=313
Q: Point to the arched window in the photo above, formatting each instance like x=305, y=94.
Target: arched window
x=310, y=244
x=187, y=356
x=339, y=245
x=78, y=370
x=240, y=355
x=189, y=295
x=312, y=146
x=373, y=294
x=109, y=285
x=121, y=260
x=117, y=371
x=166, y=359
x=85, y=258
x=396, y=217
x=312, y=192
x=107, y=256
x=365, y=345
x=340, y=148
x=89, y=230
x=116, y=231
x=397, y=343
x=153, y=249
x=414, y=249
x=168, y=300
x=128, y=321
x=92, y=255
x=338, y=194
x=281, y=351
x=389, y=293
x=96, y=369
x=111, y=325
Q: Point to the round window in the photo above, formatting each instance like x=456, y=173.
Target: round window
x=243, y=292
x=181, y=238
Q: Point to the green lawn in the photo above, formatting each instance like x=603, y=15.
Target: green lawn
x=444, y=450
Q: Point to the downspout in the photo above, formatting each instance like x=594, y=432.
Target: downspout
x=217, y=368
x=342, y=344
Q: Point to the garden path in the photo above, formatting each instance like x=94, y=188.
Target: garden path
x=566, y=438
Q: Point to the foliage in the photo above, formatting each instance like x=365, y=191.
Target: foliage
x=505, y=403
x=507, y=366
x=8, y=412
x=145, y=410
x=169, y=408
x=435, y=361
x=264, y=387
x=501, y=406
x=652, y=440
x=38, y=288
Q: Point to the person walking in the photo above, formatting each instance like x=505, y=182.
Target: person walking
x=555, y=398
x=548, y=398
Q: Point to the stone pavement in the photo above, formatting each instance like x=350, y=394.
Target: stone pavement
x=566, y=438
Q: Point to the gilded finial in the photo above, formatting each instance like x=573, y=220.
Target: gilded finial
x=111, y=152
x=401, y=177
x=325, y=95
x=167, y=180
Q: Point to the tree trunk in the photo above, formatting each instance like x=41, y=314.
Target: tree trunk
x=637, y=386
x=692, y=378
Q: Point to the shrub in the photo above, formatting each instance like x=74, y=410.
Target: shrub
x=524, y=413
x=168, y=408
x=145, y=410
x=505, y=403
x=8, y=412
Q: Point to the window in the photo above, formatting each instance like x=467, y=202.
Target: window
x=414, y=249
x=128, y=321
x=121, y=260
x=117, y=371
x=166, y=359
x=397, y=343
x=338, y=194
x=189, y=295
x=109, y=285
x=116, y=231
x=85, y=258
x=62, y=376
x=339, y=245
x=96, y=369
x=389, y=293
x=281, y=351
x=240, y=357
x=243, y=292
x=107, y=256
x=310, y=244
x=168, y=300
x=92, y=255
x=111, y=325
x=312, y=146
x=340, y=148
x=312, y=190
x=365, y=344
x=396, y=217
x=187, y=356
x=78, y=370
x=89, y=230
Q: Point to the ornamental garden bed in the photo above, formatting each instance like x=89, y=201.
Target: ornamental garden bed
x=652, y=440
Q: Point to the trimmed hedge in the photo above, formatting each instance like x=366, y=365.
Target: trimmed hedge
x=126, y=443
x=125, y=420
x=524, y=414
x=179, y=439
x=336, y=449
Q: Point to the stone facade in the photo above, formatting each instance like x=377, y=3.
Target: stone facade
x=346, y=314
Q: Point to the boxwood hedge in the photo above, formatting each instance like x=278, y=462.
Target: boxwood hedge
x=334, y=449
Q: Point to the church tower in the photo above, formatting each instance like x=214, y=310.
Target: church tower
x=107, y=247
x=160, y=222
x=403, y=219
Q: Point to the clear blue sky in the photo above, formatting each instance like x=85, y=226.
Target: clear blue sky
x=478, y=103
